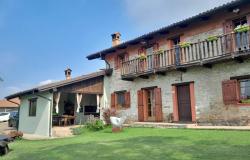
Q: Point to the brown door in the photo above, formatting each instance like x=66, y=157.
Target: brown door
x=158, y=105
x=184, y=103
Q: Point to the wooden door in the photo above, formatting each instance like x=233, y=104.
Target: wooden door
x=158, y=105
x=184, y=103
x=142, y=106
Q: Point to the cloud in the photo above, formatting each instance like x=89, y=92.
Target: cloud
x=152, y=14
x=46, y=82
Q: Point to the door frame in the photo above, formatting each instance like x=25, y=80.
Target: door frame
x=175, y=100
x=144, y=99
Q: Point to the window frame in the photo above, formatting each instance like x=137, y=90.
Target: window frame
x=32, y=112
x=240, y=96
x=239, y=79
x=123, y=106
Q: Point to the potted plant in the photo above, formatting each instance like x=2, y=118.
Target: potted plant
x=160, y=51
x=242, y=28
x=184, y=44
x=212, y=38
x=142, y=56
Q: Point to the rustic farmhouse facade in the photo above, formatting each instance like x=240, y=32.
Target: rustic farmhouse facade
x=195, y=70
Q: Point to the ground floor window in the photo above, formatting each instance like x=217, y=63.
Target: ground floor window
x=120, y=98
x=32, y=107
x=245, y=90
x=236, y=90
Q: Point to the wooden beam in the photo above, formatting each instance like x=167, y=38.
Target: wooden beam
x=144, y=76
x=163, y=73
x=127, y=79
x=183, y=25
x=134, y=42
x=239, y=59
x=207, y=65
x=122, y=47
x=205, y=18
x=181, y=69
x=164, y=32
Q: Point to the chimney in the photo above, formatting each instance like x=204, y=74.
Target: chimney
x=68, y=73
x=116, y=38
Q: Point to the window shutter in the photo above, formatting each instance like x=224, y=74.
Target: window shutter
x=230, y=91
x=140, y=105
x=113, y=100
x=158, y=105
x=127, y=99
x=228, y=26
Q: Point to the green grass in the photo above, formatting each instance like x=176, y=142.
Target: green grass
x=138, y=144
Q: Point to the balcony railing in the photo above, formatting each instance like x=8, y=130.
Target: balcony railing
x=201, y=52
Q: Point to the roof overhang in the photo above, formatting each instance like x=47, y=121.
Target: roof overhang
x=165, y=30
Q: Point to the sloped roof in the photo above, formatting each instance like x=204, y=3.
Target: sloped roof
x=228, y=5
x=58, y=84
x=7, y=104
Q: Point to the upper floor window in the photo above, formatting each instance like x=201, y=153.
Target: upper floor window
x=149, y=50
x=32, y=107
x=176, y=41
x=119, y=59
x=239, y=21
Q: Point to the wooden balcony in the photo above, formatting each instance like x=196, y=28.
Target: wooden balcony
x=205, y=53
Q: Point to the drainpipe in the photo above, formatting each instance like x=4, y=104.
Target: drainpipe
x=50, y=116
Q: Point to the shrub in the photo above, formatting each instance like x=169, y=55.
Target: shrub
x=107, y=113
x=95, y=125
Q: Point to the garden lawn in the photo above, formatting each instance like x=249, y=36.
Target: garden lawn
x=138, y=144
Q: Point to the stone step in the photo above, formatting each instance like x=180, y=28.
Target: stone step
x=159, y=125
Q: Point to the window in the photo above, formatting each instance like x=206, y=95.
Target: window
x=119, y=59
x=120, y=99
x=32, y=107
x=149, y=50
x=245, y=90
x=236, y=90
x=240, y=21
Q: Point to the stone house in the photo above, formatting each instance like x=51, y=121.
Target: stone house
x=195, y=70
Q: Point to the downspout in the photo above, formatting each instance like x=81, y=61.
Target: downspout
x=50, y=116
x=107, y=63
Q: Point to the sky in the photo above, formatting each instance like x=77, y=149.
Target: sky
x=39, y=39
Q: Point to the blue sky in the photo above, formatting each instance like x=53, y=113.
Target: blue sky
x=40, y=38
